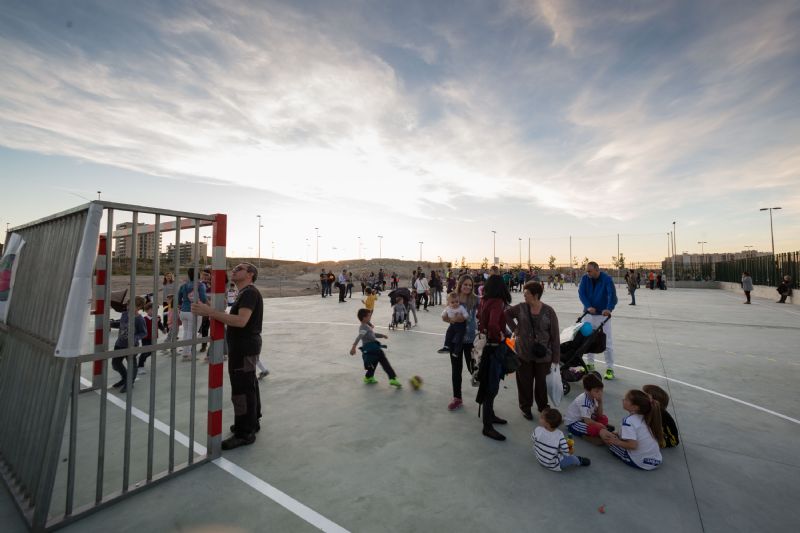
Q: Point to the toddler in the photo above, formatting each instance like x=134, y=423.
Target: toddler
x=551, y=446
x=369, y=300
x=585, y=414
x=454, y=337
x=371, y=350
x=399, y=311
x=638, y=441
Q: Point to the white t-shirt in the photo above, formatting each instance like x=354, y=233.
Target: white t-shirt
x=452, y=312
x=581, y=407
x=647, y=454
x=550, y=447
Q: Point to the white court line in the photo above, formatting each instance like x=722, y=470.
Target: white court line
x=274, y=494
x=709, y=391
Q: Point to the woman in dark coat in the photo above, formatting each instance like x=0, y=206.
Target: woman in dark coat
x=492, y=323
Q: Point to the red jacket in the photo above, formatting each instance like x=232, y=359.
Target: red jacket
x=492, y=319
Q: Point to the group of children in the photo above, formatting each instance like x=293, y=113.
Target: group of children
x=647, y=428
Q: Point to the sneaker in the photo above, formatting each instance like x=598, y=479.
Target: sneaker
x=527, y=414
x=118, y=384
x=395, y=383
x=498, y=420
x=263, y=374
x=590, y=367
x=142, y=370
x=443, y=349
x=234, y=442
x=454, y=404
x=370, y=381
x=609, y=374
x=585, y=461
x=233, y=428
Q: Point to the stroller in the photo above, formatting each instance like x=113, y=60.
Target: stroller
x=572, y=354
x=397, y=317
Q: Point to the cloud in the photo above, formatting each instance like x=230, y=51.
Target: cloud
x=555, y=110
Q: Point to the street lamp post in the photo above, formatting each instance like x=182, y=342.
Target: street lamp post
x=747, y=254
x=520, y=252
x=529, y=252
x=380, y=246
x=98, y=194
x=273, y=254
x=420, y=251
x=317, y=230
x=359, y=247
x=494, y=247
x=772, y=238
x=674, y=251
x=259, y=240
x=702, y=255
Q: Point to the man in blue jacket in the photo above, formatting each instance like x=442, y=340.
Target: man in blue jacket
x=599, y=297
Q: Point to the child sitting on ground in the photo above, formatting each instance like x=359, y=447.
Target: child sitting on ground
x=369, y=300
x=454, y=337
x=551, y=446
x=585, y=414
x=641, y=435
x=668, y=425
x=371, y=350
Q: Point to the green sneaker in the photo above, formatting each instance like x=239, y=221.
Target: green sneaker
x=395, y=383
x=609, y=374
x=370, y=381
x=590, y=368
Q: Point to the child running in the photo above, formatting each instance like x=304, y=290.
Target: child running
x=454, y=337
x=369, y=300
x=641, y=435
x=585, y=414
x=668, y=424
x=551, y=446
x=371, y=349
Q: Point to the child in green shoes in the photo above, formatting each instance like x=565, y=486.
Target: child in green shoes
x=371, y=350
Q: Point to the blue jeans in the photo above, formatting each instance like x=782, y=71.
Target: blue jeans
x=569, y=460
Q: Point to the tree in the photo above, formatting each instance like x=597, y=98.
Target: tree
x=584, y=263
x=551, y=262
x=485, y=263
x=463, y=262
x=574, y=262
x=618, y=262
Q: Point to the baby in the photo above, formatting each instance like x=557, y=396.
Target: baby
x=454, y=338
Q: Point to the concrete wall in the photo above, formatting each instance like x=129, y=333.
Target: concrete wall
x=760, y=291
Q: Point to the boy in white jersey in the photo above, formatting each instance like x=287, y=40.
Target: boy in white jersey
x=550, y=445
x=585, y=414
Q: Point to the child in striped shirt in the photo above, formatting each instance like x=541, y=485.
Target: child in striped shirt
x=551, y=446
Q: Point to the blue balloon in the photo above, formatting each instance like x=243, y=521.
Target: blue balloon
x=586, y=329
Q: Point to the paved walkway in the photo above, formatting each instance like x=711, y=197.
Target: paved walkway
x=334, y=452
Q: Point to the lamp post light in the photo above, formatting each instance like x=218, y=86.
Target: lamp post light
x=98, y=194
x=259, y=240
x=771, y=234
x=494, y=247
x=380, y=246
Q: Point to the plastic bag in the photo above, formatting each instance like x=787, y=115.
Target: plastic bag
x=555, y=389
x=568, y=333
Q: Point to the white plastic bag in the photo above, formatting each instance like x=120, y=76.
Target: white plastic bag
x=568, y=333
x=555, y=389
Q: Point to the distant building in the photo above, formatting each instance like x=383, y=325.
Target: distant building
x=688, y=260
x=145, y=242
x=187, y=252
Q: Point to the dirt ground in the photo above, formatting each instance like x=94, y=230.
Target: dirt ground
x=295, y=278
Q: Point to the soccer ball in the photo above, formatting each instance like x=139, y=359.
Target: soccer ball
x=416, y=382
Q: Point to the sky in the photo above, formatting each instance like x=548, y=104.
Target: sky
x=440, y=122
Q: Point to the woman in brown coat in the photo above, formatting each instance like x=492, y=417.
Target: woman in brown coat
x=537, y=345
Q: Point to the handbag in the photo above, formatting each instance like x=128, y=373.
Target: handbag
x=555, y=388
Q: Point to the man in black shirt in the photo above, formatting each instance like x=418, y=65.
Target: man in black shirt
x=243, y=336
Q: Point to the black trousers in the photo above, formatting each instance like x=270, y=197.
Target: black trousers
x=422, y=298
x=324, y=288
x=381, y=360
x=245, y=395
x=342, y=291
x=457, y=361
x=118, y=365
x=532, y=384
x=143, y=356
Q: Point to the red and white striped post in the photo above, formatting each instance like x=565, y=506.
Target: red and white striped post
x=100, y=288
x=216, y=353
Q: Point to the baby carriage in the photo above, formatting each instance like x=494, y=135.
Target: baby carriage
x=573, y=367
x=400, y=316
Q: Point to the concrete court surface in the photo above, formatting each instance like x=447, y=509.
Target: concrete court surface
x=371, y=458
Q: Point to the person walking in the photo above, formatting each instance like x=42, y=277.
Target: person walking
x=421, y=285
x=323, y=283
x=342, y=281
x=535, y=325
x=492, y=321
x=243, y=335
x=630, y=279
x=785, y=289
x=185, y=299
x=747, y=286
x=467, y=298
x=599, y=297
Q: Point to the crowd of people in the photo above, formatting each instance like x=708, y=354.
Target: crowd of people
x=483, y=327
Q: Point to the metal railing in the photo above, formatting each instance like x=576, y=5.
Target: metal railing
x=39, y=385
x=765, y=269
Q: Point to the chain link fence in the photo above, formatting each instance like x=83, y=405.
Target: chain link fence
x=765, y=270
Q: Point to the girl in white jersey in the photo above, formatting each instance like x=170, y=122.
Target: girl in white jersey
x=641, y=435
